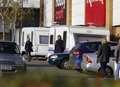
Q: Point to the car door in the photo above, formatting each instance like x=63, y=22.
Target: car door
x=90, y=58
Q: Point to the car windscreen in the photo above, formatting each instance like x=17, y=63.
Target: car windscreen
x=10, y=48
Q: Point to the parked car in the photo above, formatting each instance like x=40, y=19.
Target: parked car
x=89, y=61
x=58, y=59
x=10, y=58
x=64, y=57
x=89, y=50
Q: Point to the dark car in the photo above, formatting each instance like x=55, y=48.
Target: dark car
x=10, y=58
x=58, y=59
x=61, y=59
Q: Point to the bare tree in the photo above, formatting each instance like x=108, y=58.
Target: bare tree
x=11, y=11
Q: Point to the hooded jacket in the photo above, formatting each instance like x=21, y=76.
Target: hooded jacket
x=117, y=53
x=103, y=53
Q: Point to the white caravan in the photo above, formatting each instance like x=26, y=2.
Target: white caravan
x=72, y=35
x=39, y=37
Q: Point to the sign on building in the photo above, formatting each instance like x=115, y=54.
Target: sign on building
x=60, y=12
x=95, y=12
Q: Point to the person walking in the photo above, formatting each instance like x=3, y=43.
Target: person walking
x=117, y=58
x=103, y=56
x=59, y=45
x=28, y=48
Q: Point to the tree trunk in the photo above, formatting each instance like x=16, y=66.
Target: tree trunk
x=3, y=27
x=14, y=28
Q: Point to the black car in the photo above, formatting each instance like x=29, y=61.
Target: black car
x=10, y=58
x=61, y=59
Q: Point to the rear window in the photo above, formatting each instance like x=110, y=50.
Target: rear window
x=94, y=45
x=10, y=48
x=89, y=46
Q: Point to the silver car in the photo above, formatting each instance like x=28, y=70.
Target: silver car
x=10, y=58
x=89, y=61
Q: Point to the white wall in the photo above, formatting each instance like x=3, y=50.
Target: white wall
x=31, y=3
x=116, y=12
x=78, y=12
x=48, y=13
x=17, y=36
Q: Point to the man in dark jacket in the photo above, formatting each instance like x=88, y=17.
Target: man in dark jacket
x=103, y=55
x=117, y=56
x=59, y=45
x=28, y=48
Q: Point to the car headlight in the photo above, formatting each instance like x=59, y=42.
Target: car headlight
x=54, y=57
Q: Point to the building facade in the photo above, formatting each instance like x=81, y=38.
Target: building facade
x=102, y=14
x=116, y=17
x=30, y=17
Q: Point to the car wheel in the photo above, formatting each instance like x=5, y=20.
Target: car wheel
x=109, y=71
x=64, y=64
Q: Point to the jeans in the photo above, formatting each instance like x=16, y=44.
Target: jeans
x=29, y=56
x=117, y=71
x=103, y=67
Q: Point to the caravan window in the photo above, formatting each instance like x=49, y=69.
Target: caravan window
x=65, y=36
x=23, y=39
x=43, y=39
x=32, y=36
x=51, y=39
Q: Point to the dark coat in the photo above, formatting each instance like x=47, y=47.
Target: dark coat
x=59, y=46
x=117, y=53
x=104, y=53
x=28, y=46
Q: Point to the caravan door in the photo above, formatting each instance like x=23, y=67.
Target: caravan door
x=41, y=41
x=25, y=34
x=54, y=32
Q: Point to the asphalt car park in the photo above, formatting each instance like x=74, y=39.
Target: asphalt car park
x=89, y=56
